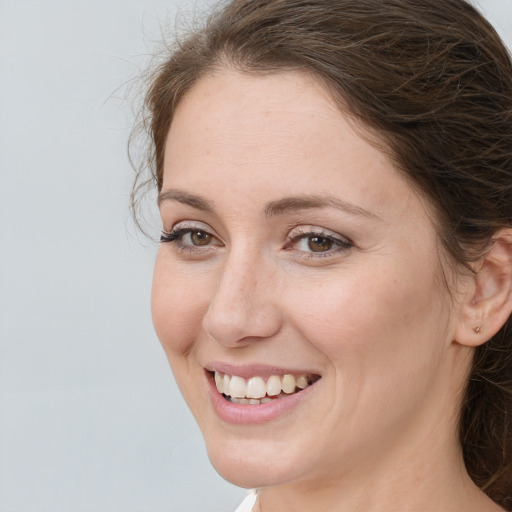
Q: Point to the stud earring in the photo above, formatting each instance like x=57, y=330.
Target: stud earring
x=477, y=330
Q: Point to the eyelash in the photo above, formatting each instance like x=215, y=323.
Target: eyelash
x=173, y=235
x=340, y=243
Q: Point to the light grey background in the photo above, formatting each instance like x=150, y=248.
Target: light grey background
x=90, y=418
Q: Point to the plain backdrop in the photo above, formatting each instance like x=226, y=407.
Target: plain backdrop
x=90, y=417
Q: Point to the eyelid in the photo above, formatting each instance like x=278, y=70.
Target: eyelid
x=194, y=224
x=301, y=231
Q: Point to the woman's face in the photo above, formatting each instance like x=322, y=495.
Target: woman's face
x=293, y=247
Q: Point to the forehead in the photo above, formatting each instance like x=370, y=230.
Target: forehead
x=273, y=134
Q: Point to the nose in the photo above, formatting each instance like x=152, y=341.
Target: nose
x=243, y=308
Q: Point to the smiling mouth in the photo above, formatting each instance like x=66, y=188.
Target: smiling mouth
x=257, y=391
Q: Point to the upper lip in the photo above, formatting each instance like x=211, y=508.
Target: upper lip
x=253, y=370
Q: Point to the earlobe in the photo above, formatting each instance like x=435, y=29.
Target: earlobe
x=487, y=303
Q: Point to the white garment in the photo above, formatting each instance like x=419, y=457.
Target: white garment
x=248, y=503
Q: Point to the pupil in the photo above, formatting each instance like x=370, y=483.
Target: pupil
x=319, y=244
x=200, y=238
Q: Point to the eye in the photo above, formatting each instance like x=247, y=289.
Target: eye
x=196, y=237
x=315, y=242
x=190, y=237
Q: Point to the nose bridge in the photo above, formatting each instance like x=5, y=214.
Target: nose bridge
x=241, y=308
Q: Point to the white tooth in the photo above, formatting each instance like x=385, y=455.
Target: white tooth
x=266, y=400
x=253, y=401
x=256, y=388
x=237, y=387
x=273, y=385
x=302, y=381
x=219, y=382
x=225, y=384
x=244, y=401
x=288, y=383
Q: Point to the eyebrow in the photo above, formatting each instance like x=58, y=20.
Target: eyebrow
x=305, y=202
x=192, y=200
x=273, y=208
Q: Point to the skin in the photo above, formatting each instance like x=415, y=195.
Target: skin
x=374, y=319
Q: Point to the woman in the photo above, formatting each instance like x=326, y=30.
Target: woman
x=334, y=283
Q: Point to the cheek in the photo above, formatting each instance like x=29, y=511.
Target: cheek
x=369, y=323
x=382, y=339
x=178, y=304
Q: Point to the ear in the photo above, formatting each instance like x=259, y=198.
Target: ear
x=487, y=298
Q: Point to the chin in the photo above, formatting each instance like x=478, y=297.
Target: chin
x=250, y=463
x=248, y=474
x=243, y=475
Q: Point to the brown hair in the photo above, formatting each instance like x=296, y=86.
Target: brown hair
x=433, y=81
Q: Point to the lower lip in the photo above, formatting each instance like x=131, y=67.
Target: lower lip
x=246, y=414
